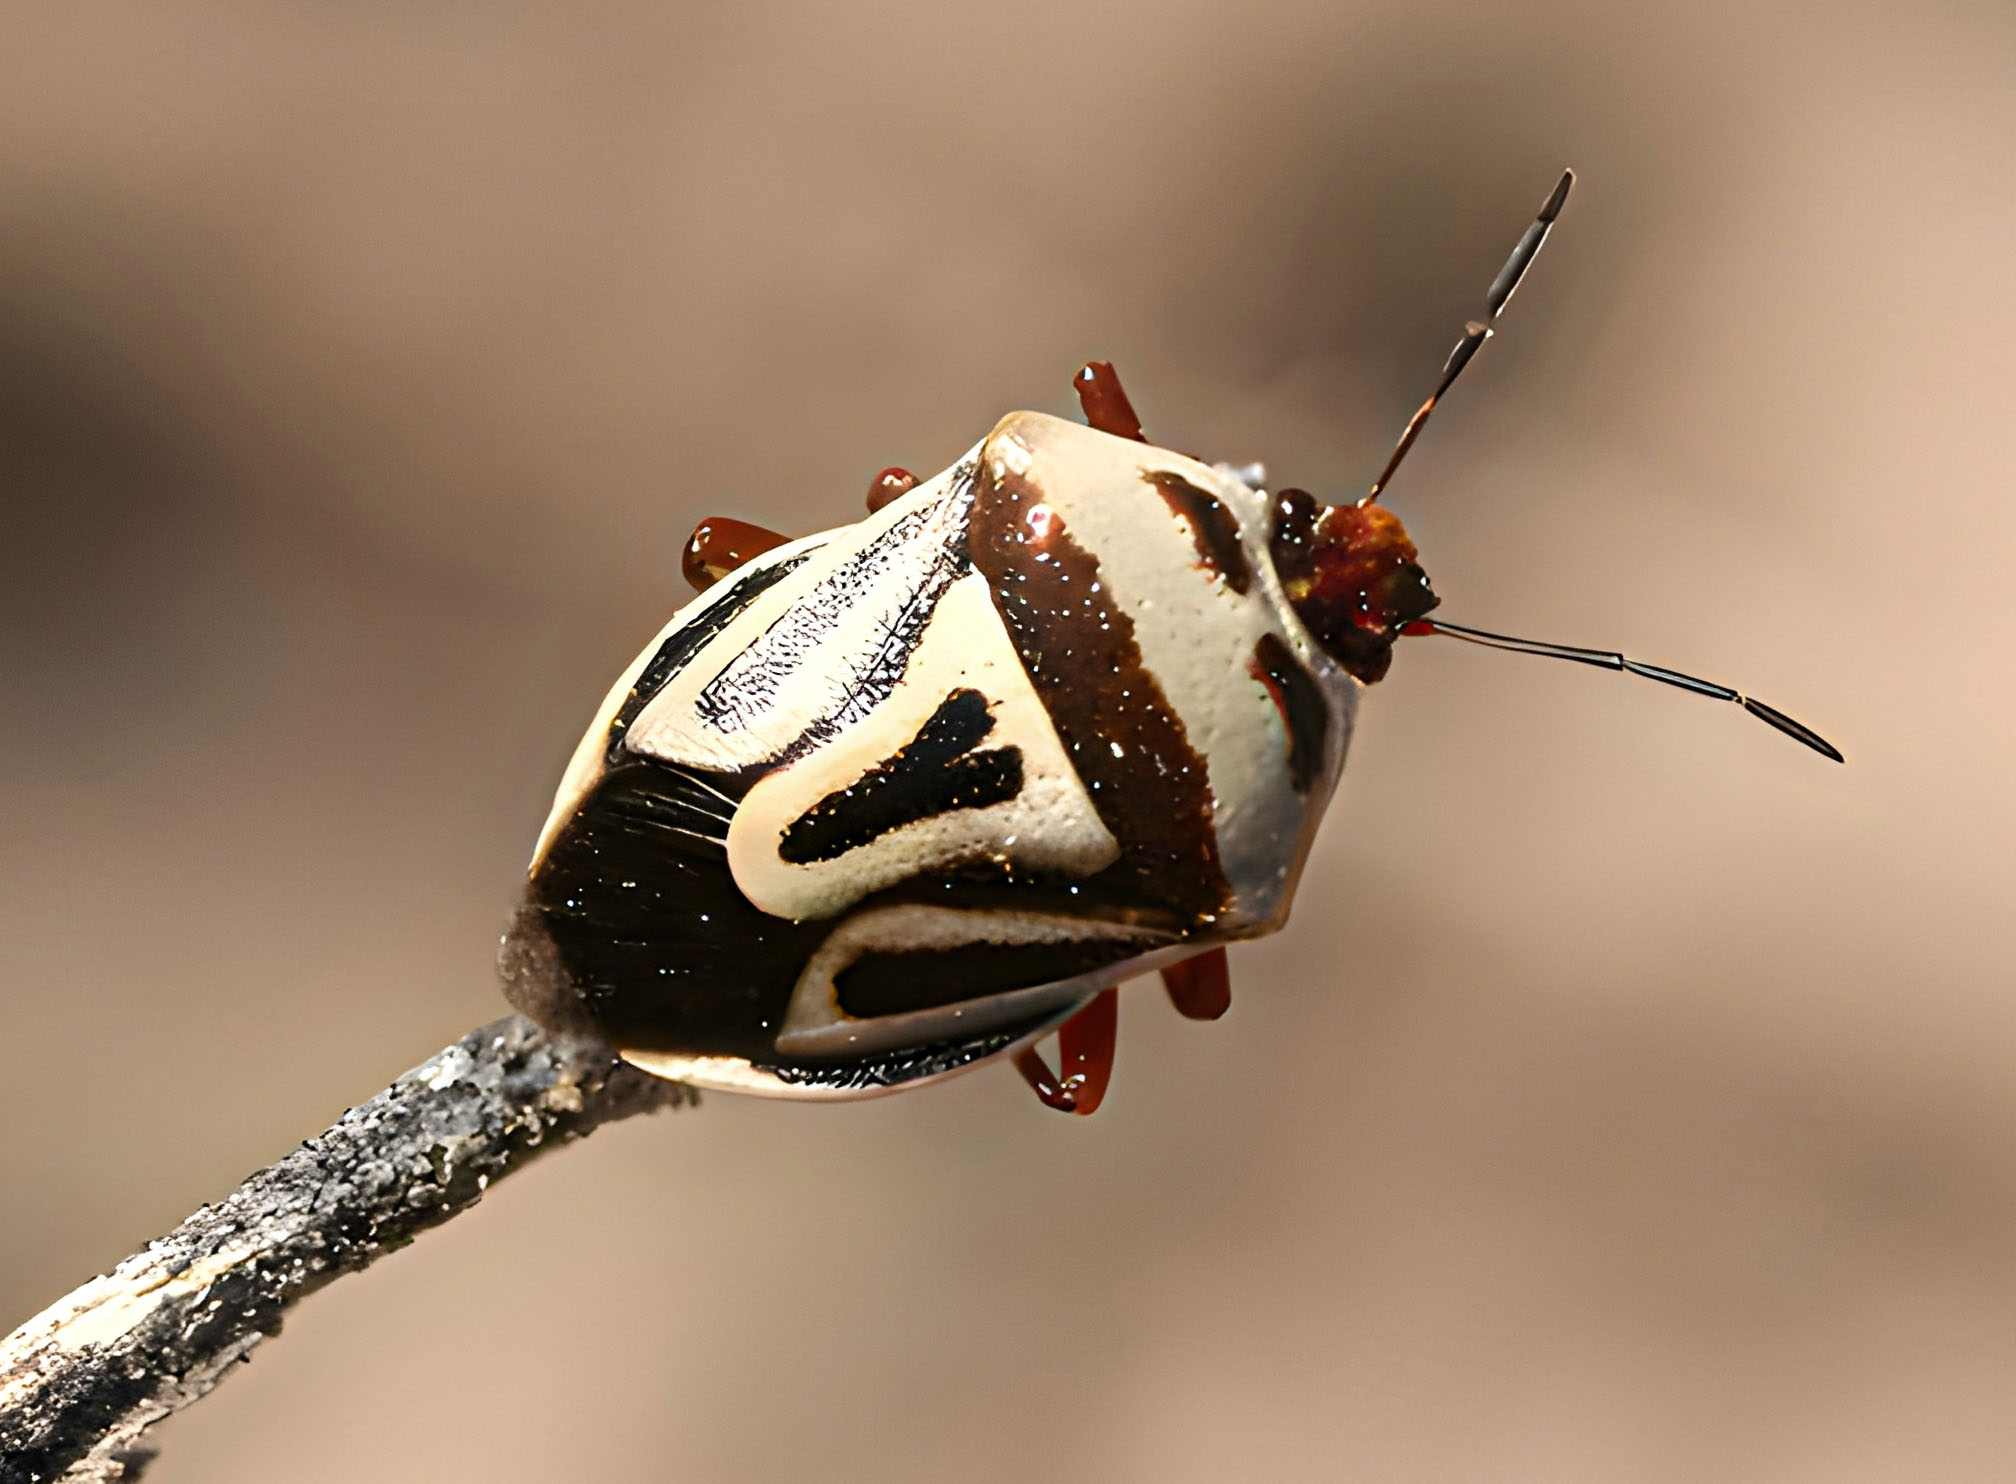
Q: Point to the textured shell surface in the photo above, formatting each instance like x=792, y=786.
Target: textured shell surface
x=894, y=799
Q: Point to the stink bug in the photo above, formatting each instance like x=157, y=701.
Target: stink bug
x=889, y=801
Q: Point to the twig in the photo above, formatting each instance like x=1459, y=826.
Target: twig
x=81, y=1381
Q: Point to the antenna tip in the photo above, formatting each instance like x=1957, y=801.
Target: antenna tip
x=1797, y=731
x=1559, y=197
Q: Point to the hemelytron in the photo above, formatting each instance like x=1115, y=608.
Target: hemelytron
x=898, y=798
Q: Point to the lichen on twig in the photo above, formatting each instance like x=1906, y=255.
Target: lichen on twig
x=82, y=1381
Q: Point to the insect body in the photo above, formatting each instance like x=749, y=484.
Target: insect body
x=901, y=797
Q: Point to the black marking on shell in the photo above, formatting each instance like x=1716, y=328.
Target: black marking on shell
x=935, y=772
x=1076, y=641
x=648, y=930
x=752, y=682
x=1305, y=716
x=895, y=983
x=633, y=922
x=893, y=1068
x=1214, y=530
x=683, y=644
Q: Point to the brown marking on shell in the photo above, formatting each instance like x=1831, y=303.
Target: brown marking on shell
x=1214, y=530
x=1296, y=695
x=1149, y=783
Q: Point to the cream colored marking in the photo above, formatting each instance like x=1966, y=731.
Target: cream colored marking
x=1008, y=454
x=1049, y=825
x=584, y=769
x=585, y=766
x=732, y=1074
x=735, y=1074
x=795, y=679
x=104, y=1310
x=1196, y=637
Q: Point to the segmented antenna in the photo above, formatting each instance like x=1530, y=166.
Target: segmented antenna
x=1476, y=332
x=1610, y=659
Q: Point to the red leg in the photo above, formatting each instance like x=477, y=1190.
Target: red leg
x=1200, y=988
x=891, y=484
x=1085, y=1051
x=720, y=544
x=1106, y=405
x=1036, y=1072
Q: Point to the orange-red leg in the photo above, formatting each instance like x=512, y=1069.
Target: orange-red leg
x=1106, y=405
x=1085, y=1046
x=720, y=544
x=892, y=483
x=1042, y=1081
x=1200, y=988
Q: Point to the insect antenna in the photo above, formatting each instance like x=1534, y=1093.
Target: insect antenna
x=1476, y=332
x=1610, y=659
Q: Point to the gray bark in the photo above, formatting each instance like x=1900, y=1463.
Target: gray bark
x=81, y=1382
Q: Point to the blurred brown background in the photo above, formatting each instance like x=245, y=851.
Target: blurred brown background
x=1632, y=1095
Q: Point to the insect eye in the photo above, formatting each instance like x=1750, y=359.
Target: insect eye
x=1295, y=513
x=1350, y=573
x=1402, y=596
